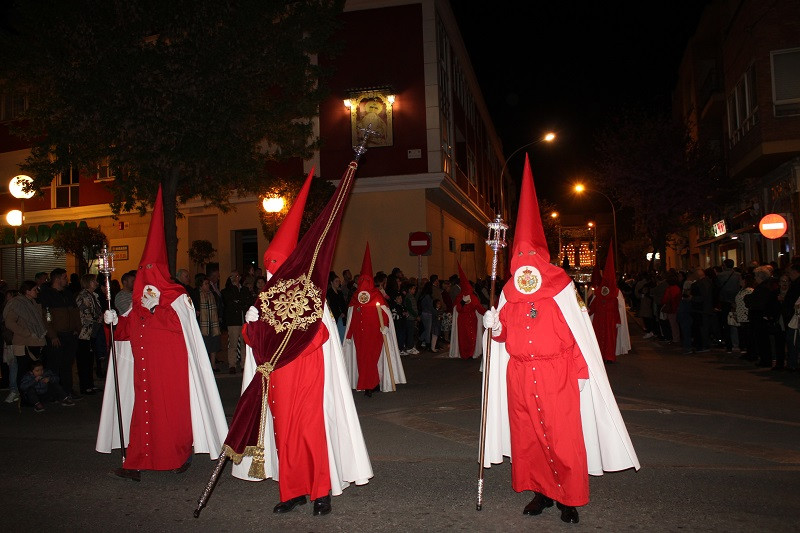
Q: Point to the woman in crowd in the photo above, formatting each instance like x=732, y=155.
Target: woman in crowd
x=741, y=335
x=23, y=316
x=208, y=318
x=91, y=323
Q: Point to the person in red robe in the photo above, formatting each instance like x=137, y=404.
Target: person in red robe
x=296, y=391
x=364, y=327
x=545, y=372
x=468, y=304
x=161, y=435
x=604, y=309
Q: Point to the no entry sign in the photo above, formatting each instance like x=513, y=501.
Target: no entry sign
x=419, y=243
x=772, y=226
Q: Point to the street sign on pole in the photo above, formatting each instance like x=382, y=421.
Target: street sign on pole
x=419, y=243
x=772, y=226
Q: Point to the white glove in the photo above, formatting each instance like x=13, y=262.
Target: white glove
x=251, y=315
x=110, y=317
x=384, y=330
x=491, y=320
x=581, y=384
x=150, y=298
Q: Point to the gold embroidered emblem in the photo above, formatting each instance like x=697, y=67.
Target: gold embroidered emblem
x=605, y=291
x=527, y=281
x=363, y=297
x=291, y=303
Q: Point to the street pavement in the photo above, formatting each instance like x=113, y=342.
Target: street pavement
x=718, y=440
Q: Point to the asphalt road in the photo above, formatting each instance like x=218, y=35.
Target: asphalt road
x=718, y=440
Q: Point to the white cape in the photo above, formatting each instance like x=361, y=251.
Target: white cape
x=347, y=453
x=623, y=333
x=397, y=370
x=608, y=445
x=209, y=426
x=454, y=351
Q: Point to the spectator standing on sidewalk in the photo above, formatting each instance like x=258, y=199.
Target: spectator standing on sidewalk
x=237, y=299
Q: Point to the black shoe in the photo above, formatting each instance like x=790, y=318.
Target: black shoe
x=126, y=473
x=568, y=514
x=538, y=504
x=368, y=393
x=285, y=507
x=322, y=505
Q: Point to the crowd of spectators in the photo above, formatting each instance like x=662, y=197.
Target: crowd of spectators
x=752, y=311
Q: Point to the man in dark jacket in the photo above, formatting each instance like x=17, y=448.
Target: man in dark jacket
x=236, y=299
x=63, y=323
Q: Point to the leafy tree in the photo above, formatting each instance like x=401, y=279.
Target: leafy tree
x=318, y=195
x=201, y=252
x=197, y=96
x=81, y=241
x=653, y=165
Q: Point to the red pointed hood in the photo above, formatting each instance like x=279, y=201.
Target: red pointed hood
x=597, y=277
x=153, y=266
x=366, y=291
x=532, y=275
x=285, y=239
x=466, y=286
x=609, y=275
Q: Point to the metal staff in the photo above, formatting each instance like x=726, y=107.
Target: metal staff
x=105, y=260
x=386, y=345
x=496, y=239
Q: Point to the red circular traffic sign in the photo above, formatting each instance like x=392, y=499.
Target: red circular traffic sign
x=419, y=242
x=772, y=226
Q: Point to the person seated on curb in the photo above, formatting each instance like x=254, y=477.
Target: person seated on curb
x=40, y=384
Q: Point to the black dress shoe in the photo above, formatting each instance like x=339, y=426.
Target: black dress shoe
x=288, y=505
x=126, y=473
x=538, y=504
x=568, y=514
x=322, y=505
x=368, y=393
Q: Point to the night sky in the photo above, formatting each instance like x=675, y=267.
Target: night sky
x=568, y=66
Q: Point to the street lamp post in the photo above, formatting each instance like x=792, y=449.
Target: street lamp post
x=547, y=138
x=579, y=188
x=17, y=188
x=14, y=219
x=593, y=227
x=555, y=215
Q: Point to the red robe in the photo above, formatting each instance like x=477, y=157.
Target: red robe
x=161, y=424
x=365, y=330
x=295, y=400
x=468, y=326
x=544, y=402
x=606, y=318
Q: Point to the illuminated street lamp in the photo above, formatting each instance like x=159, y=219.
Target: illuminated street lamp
x=17, y=188
x=579, y=188
x=593, y=226
x=273, y=205
x=548, y=137
x=554, y=215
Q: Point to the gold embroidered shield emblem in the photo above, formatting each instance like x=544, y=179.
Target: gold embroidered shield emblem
x=363, y=297
x=605, y=291
x=527, y=279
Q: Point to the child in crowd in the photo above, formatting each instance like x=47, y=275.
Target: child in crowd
x=40, y=384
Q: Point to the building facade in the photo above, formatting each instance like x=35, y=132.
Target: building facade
x=401, y=68
x=739, y=87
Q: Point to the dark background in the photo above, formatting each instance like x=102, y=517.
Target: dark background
x=569, y=67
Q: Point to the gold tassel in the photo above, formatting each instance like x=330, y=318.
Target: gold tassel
x=257, y=466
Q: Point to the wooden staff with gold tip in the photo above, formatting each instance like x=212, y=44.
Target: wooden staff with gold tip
x=385, y=345
x=496, y=239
